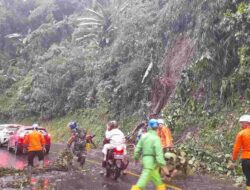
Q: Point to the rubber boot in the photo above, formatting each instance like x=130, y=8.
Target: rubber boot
x=248, y=187
x=41, y=165
x=135, y=187
x=104, y=163
x=29, y=171
x=161, y=187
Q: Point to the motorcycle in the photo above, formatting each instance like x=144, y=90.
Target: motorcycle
x=116, y=162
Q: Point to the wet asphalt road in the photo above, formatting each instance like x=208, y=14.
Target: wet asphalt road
x=87, y=179
x=91, y=179
x=9, y=159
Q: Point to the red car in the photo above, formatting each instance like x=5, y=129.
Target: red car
x=16, y=139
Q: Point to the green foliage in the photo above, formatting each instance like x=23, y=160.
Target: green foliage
x=125, y=38
x=243, y=8
x=9, y=171
x=92, y=70
x=40, y=11
x=203, y=68
x=3, y=14
x=208, y=139
x=12, y=98
x=93, y=120
x=244, y=54
x=99, y=24
x=204, y=112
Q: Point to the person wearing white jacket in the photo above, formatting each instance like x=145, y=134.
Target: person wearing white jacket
x=113, y=138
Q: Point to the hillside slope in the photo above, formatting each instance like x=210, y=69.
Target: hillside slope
x=131, y=54
x=91, y=61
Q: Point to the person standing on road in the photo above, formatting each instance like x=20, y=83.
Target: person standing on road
x=78, y=136
x=242, y=142
x=36, y=147
x=165, y=135
x=149, y=147
x=78, y=139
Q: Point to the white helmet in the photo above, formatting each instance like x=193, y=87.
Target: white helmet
x=35, y=126
x=245, y=118
x=161, y=121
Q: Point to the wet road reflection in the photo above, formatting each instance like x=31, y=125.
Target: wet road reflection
x=9, y=159
x=89, y=177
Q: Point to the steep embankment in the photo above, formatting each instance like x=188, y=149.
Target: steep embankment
x=129, y=54
x=214, y=92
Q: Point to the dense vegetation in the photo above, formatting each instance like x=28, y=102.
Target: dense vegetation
x=214, y=93
x=96, y=60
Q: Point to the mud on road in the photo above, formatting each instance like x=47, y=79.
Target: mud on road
x=89, y=177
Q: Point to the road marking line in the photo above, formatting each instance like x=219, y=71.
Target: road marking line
x=128, y=172
x=133, y=174
x=93, y=162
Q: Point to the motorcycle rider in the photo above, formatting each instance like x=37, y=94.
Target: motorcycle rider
x=113, y=138
x=149, y=147
x=78, y=137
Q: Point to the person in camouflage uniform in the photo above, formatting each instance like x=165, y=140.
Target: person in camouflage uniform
x=78, y=137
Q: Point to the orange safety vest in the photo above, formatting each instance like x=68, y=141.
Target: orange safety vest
x=35, y=141
x=242, y=142
x=166, y=137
